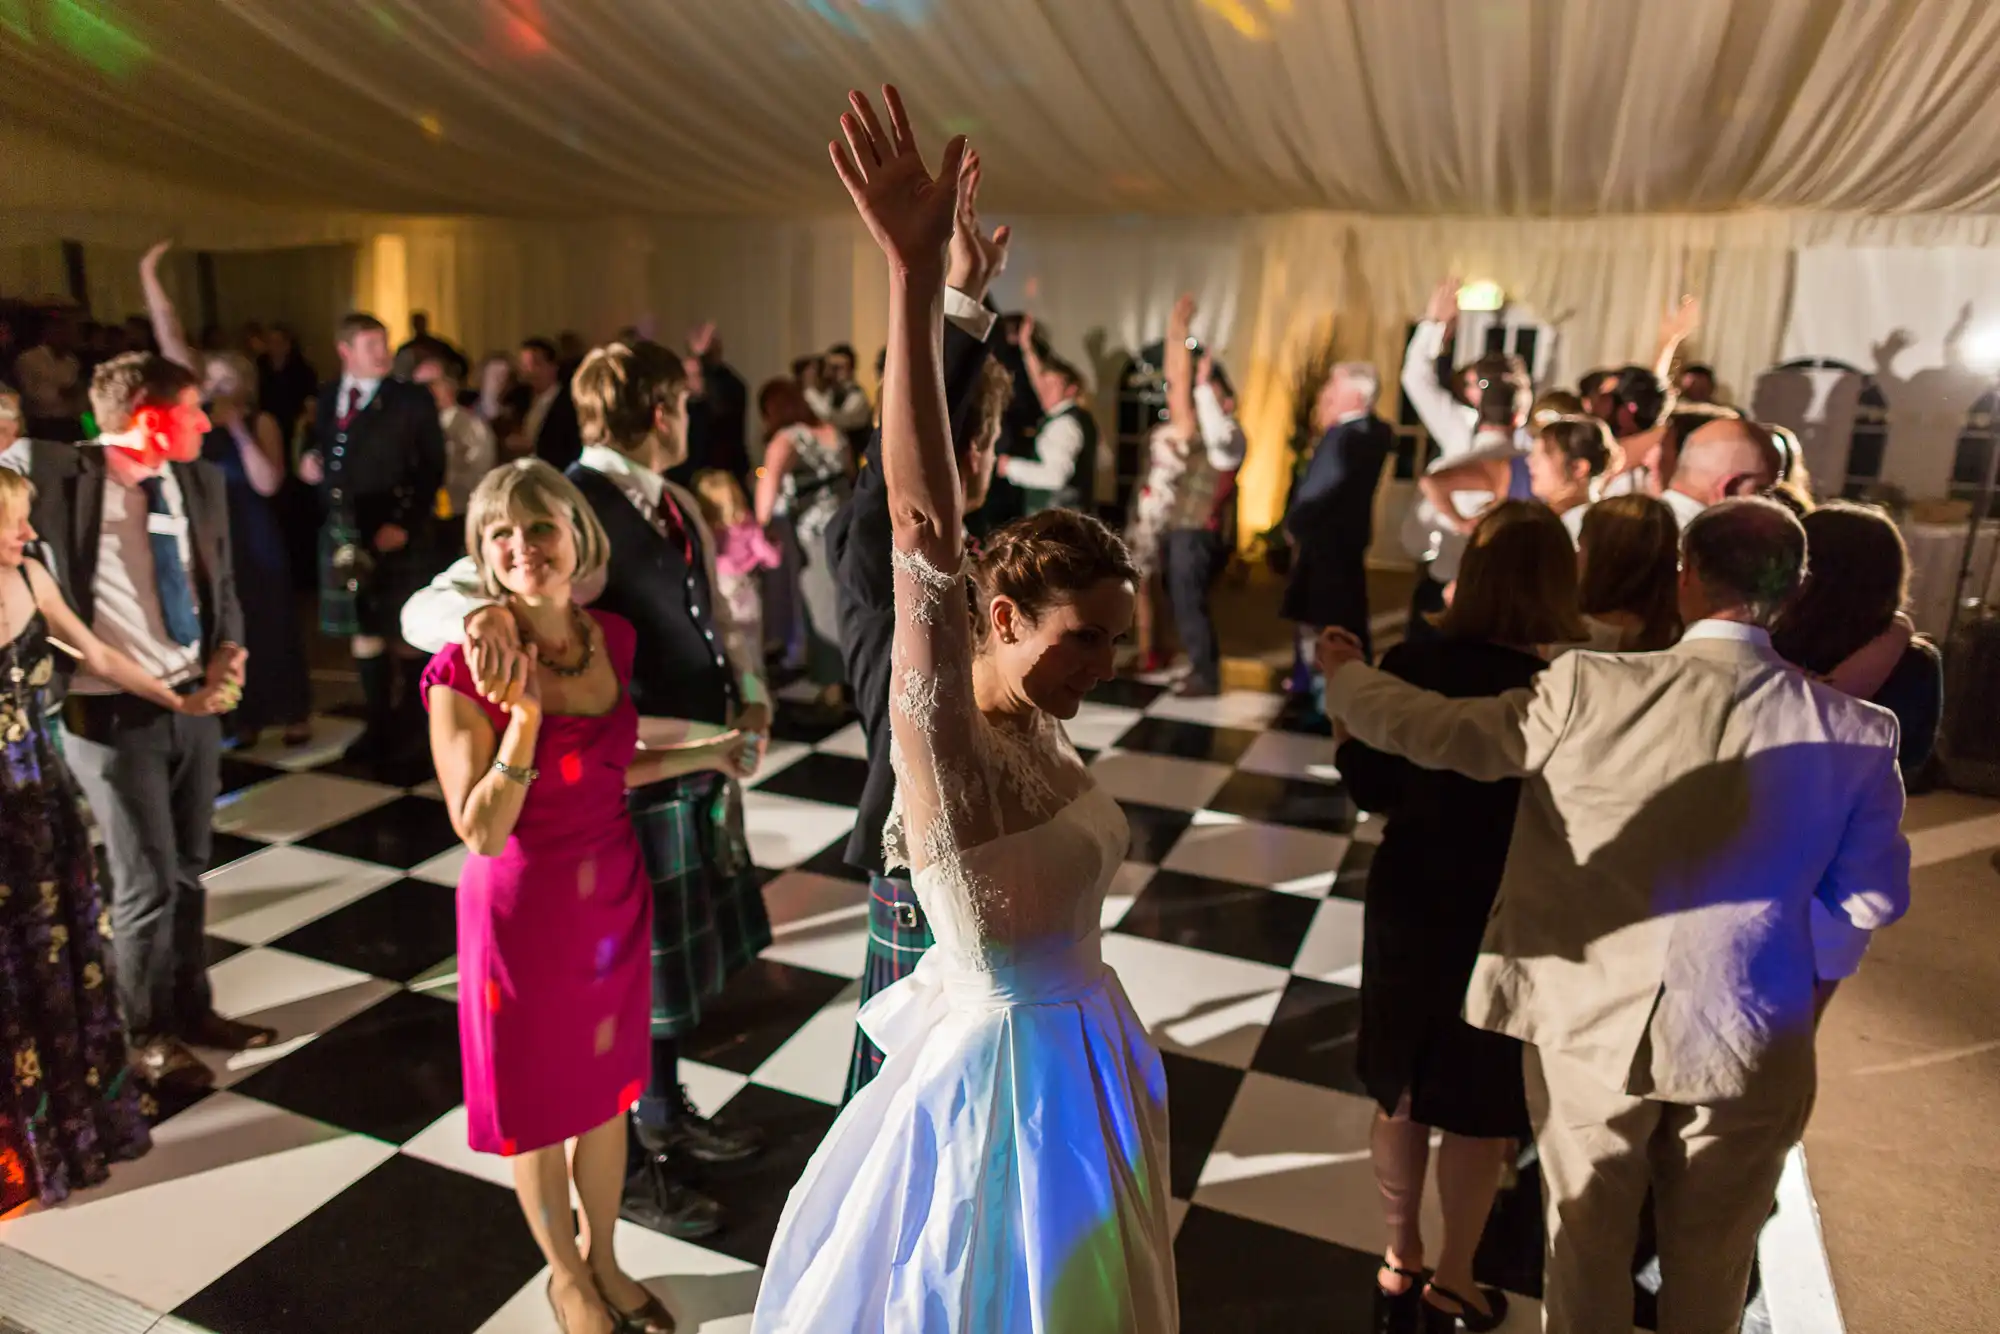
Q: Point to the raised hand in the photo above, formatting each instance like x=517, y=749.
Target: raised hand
x=151, y=259
x=1337, y=648
x=1680, y=323
x=1027, y=331
x=976, y=259
x=908, y=211
x=1182, y=318
x=1443, y=307
x=701, y=338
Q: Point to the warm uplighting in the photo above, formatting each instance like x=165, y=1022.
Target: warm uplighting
x=432, y=127
x=1250, y=18
x=1482, y=294
x=1982, y=348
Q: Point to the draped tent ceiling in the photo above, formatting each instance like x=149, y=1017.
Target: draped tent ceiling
x=1483, y=107
x=1307, y=167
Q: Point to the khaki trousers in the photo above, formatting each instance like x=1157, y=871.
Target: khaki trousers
x=1713, y=1170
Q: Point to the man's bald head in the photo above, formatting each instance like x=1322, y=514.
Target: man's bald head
x=1744, y=558
x=1726, y=457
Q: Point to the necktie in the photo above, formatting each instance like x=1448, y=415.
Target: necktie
x=353, y=406
x=170, y=576
x=666, y=517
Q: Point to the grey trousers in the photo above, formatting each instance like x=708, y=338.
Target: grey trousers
x=1713, y=1169
x=152, y=779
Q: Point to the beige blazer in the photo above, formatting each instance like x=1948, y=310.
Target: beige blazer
x=1681, y=811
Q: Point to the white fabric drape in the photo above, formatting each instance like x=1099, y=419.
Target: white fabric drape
x=582, y=107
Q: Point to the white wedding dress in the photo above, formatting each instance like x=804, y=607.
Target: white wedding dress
x=1006, y=1172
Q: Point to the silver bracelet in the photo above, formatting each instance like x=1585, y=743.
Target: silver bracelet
x=525, y=777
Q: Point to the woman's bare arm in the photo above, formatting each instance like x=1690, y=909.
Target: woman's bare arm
x=167, y=330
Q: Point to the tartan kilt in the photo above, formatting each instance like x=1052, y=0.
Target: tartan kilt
x=352, y=605
x=339, y=593
x=708, y=909
x=898, y=936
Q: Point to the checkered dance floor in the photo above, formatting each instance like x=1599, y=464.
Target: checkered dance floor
x=326, y=1185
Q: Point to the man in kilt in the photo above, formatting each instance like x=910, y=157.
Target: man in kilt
x=708, y=910
x=978, y=389
x=379, y=466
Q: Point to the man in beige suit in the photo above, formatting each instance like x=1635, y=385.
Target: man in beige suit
x=1651, y=938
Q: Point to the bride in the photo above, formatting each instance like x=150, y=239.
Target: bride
x=1007, y=1170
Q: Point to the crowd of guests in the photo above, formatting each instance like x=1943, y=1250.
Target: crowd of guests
x=566, y=576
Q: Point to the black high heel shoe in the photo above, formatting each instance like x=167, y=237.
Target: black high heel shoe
x=1437, y=1320
x=1397, y=1312
x=651, y=1318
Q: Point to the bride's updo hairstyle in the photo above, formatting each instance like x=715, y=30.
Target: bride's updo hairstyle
x=1045, y=560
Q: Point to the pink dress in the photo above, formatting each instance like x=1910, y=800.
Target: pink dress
x=554, y=933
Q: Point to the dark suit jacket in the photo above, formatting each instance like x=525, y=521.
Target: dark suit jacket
x=715, y=426
x=391, y=464
x=68, y=514
x=1332, y=521
x=560, y=442
x=858, y=543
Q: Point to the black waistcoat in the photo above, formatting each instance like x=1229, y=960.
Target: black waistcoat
x=679, y=670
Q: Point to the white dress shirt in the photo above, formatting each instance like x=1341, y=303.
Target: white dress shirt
x=1221, y=435
x=348, y=384
x=1057, y=446
x=469, y=453
x=538, y=412
x=127, y=613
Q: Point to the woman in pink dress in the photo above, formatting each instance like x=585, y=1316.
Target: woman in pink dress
x=554, y=909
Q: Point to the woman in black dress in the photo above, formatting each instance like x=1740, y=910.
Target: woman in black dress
x=1430, y=889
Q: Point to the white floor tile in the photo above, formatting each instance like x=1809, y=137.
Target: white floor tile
x=1197, y=1003
x=223, y=1178
x=1232, y=708
x=35, y=1295
x=445, y=868
x=1291, y=755
x=1296, y=1156
x=428, y=788
x=780, y=755
x=784, y=831
x=710, y=1087
x=440, y=981
x=1298, y=861
x=1943, y=843
x=1331, y=951
x=813, y=1062
x=1159, y=780
x=819, y=922
x=299, y=997
x=850, y=741
x=276, y=890
x=1097, y=726
x=331, y=736
x=295, y=805
x=708, y=1292
x=444, y=1142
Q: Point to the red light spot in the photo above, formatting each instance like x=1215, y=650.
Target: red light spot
x=492, y=996
x=572, y=767
x=630, y=1094
x=509, y=1147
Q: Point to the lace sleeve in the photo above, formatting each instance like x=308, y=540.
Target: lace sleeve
x=945, y=798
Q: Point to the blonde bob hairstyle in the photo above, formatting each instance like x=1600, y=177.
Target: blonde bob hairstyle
x=522, y=492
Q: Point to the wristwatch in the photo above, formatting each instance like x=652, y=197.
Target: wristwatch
x=525, y=777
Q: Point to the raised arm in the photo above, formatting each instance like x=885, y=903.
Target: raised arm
x=167, y=330
x=933, y=717
x=1675, y=329
x=1448, y=421
x=1179, y=370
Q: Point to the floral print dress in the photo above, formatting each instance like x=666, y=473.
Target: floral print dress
x=69, y=1104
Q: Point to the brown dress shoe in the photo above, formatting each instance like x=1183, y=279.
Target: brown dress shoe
x=168, y=1063
x=212, y=1030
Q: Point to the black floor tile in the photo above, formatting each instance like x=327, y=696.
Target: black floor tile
x=832, y=860
x=239, y=774
x=401, y=833
x=226, y=848
x=1352, y=880
x=1293, y=801
x=410, y=769
x=396, y=932
x=1221, y=917
x=834, y=779
x=388, y=1072
x=1126, y=693
x=1189, y=741
x=808, y=726
x=1301, y=714
x=757, y=1013
x=753, y=1194
x=1154, y=830
x=214, y=949
x=1199, y=1096
x=1312, y=1036
x=411, y=1248
x=1245, y=1277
